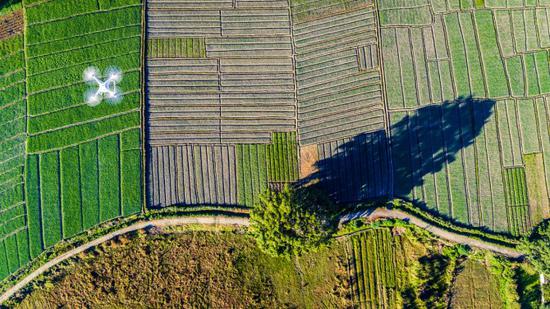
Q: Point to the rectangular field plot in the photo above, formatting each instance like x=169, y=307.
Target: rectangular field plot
x=75, y=188
x=14, y=250
x=338, y=97
x=378, y=261
x=308, y=10
x=222, y=175
x=244, y=88
x=193, y=175
x=63, y=40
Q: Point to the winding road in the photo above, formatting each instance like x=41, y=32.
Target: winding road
x=210, y=220
x=223, y=220
x=442, y=233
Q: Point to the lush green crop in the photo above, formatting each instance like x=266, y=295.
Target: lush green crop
x=70, y=191
x=109, y=177
x=90, y=184
x=49, y=198
x=77, y=134
x=34, y=205
x=59, y=9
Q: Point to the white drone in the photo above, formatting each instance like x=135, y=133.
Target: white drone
x=107, y=90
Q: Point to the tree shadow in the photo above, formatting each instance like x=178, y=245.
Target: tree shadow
x=420, y=142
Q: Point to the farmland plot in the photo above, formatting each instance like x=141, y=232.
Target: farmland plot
x=337, y=74
x=492, y=52
x=476, y=286
x=84, y=163
x=14, y=244
x=221, y=101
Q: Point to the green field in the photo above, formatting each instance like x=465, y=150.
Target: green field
x=264, y=165
x=445, y=103
x=14, y=244
x=493, y=53
x=84, y=163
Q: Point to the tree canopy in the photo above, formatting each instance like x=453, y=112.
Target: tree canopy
x=537, y=247
x=291, y=222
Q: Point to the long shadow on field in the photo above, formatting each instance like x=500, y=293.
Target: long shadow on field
x=420, y=143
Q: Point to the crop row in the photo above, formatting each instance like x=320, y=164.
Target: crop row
x=193, y=175
x=331, y=85
x=53, y=10
x=376, y=271
x=251, y=173
x=176, y=48
x=355, y=169
x=307, y=10
x=14, y=252
x=282, y=158
x=62, y=43
x=14, y=249
x=73, y=189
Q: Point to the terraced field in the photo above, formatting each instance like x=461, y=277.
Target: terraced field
x=84, y=163
x=14, y=242
x=444, y=102
x=463, y=49
x=378, y=264
x=220, y=84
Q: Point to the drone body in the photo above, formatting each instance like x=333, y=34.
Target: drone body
x=107, y=89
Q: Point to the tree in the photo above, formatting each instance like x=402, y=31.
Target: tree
x=537, y=250
x=291, y=222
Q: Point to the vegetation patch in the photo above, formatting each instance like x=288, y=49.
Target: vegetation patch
x=194, y=269
x=176, y=48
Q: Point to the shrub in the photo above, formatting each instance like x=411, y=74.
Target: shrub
x=292, y=221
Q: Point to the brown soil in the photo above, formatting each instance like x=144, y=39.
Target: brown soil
x=11, y=24
x=308, y=158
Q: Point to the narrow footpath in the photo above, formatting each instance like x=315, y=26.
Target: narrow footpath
x=442, y=233
x=209, y=220
x=222, y=220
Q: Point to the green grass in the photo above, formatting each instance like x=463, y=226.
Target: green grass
x=485, y=295
x=245, y=277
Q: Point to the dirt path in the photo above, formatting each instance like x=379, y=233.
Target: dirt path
x=210, y=220
x=454, y=237
x=221, y=220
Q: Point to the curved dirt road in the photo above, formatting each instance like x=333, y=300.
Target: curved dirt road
x=454, y=237
x=222, y=220
x=210, y=220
